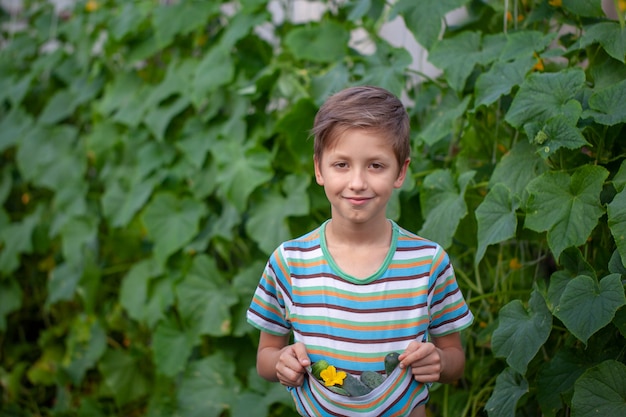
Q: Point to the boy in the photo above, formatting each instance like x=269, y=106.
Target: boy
x=359, y=286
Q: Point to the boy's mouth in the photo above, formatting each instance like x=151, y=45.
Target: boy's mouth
x=358, y=200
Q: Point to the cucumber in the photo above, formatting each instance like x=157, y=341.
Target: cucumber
x=338, y=390
x=372, y=379
x=391, y=362
x=355, y=387
x=318, y=367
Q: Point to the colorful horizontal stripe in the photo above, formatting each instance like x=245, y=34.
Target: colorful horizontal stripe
x=397, y=396
x=354, y=323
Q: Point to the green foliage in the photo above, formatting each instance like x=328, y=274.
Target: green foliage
x=154, y=153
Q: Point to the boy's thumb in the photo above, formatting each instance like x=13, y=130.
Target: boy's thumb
x=301, y=354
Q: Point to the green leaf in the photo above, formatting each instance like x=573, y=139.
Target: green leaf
x=601, y=391
x=443, y=205
x=86, y=343
x=616, y=211
x=17, y=239
x=616, y=266
x=610, y=35
x=556, y=380
x=205, y=298
x=14, y=88
x=175, y=82
x=102, y=138
x=240, y=25
x=13, y=126
x=492, y=46
x=517, y=168
x=608, y=105
x=323, y=42
x=244, y=284
x=63, y=282
x=196, y=141
x=325, y=84
x=358, y=9
x=386, y=68
x=215, y=70
x=161, y=298
x=172, y=347
x=268, y=224
x=457, y=57
x=568, y=208
x=60, y=106
x=510, y=387
x=557, y=132
x=131, y=16
x=524, y=44
x=158, y=118
x=133, y=293
x=558, y=282
x=500, y=79
x=272, y=393
x=124, y=376
x=497, y=220
x=291, y=127
x=586, y=8
x=587, y=305
x=619, y=180
x=572, y=261
x=120, y=204
x=424, y=18
x=443, y=121
x=79, y=234
x=620, y=321
x=181, y=18
x=247, y=401
x=50, y=156
x=125, y=99
x=208, y=387
x=172, y=222
x=10, y=300
x=545, y=95
x=521, y=332
x=242, y=170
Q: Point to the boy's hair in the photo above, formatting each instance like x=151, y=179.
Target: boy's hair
x=364, y=107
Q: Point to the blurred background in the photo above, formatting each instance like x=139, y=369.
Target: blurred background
x=154, y=153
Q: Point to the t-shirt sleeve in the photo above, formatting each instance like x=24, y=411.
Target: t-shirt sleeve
x=267, y=310
x=449, y=312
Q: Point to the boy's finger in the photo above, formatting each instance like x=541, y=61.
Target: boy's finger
x=301, y=354
x=412, y=347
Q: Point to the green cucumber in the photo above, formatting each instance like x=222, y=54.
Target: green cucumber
x=372, y=379
x=318, y=367
x=391, y=362
x=338, y=390
x=355, y=387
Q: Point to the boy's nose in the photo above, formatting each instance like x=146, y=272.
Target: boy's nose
x=357, y=180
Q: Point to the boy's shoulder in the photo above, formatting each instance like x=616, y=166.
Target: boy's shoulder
x=409, y=238
x=307, y=240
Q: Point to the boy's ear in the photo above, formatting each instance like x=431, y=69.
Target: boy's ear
x=402, y=174
x=318, y=172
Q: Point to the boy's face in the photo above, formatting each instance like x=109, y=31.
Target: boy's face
x=359, y=171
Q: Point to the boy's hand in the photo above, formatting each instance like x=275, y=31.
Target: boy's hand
x=291, y=365
x=425, y=360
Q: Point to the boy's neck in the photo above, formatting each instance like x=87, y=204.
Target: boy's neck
x=378, y=234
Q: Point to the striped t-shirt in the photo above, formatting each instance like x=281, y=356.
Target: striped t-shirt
x=353, y=323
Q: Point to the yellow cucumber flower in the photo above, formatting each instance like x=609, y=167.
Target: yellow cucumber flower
x=332, y=377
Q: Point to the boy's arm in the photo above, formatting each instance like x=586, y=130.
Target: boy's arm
x=278, y=361
x=443, y=360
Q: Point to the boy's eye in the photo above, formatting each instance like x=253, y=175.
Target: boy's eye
x=341, y=164
x=376, y=165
